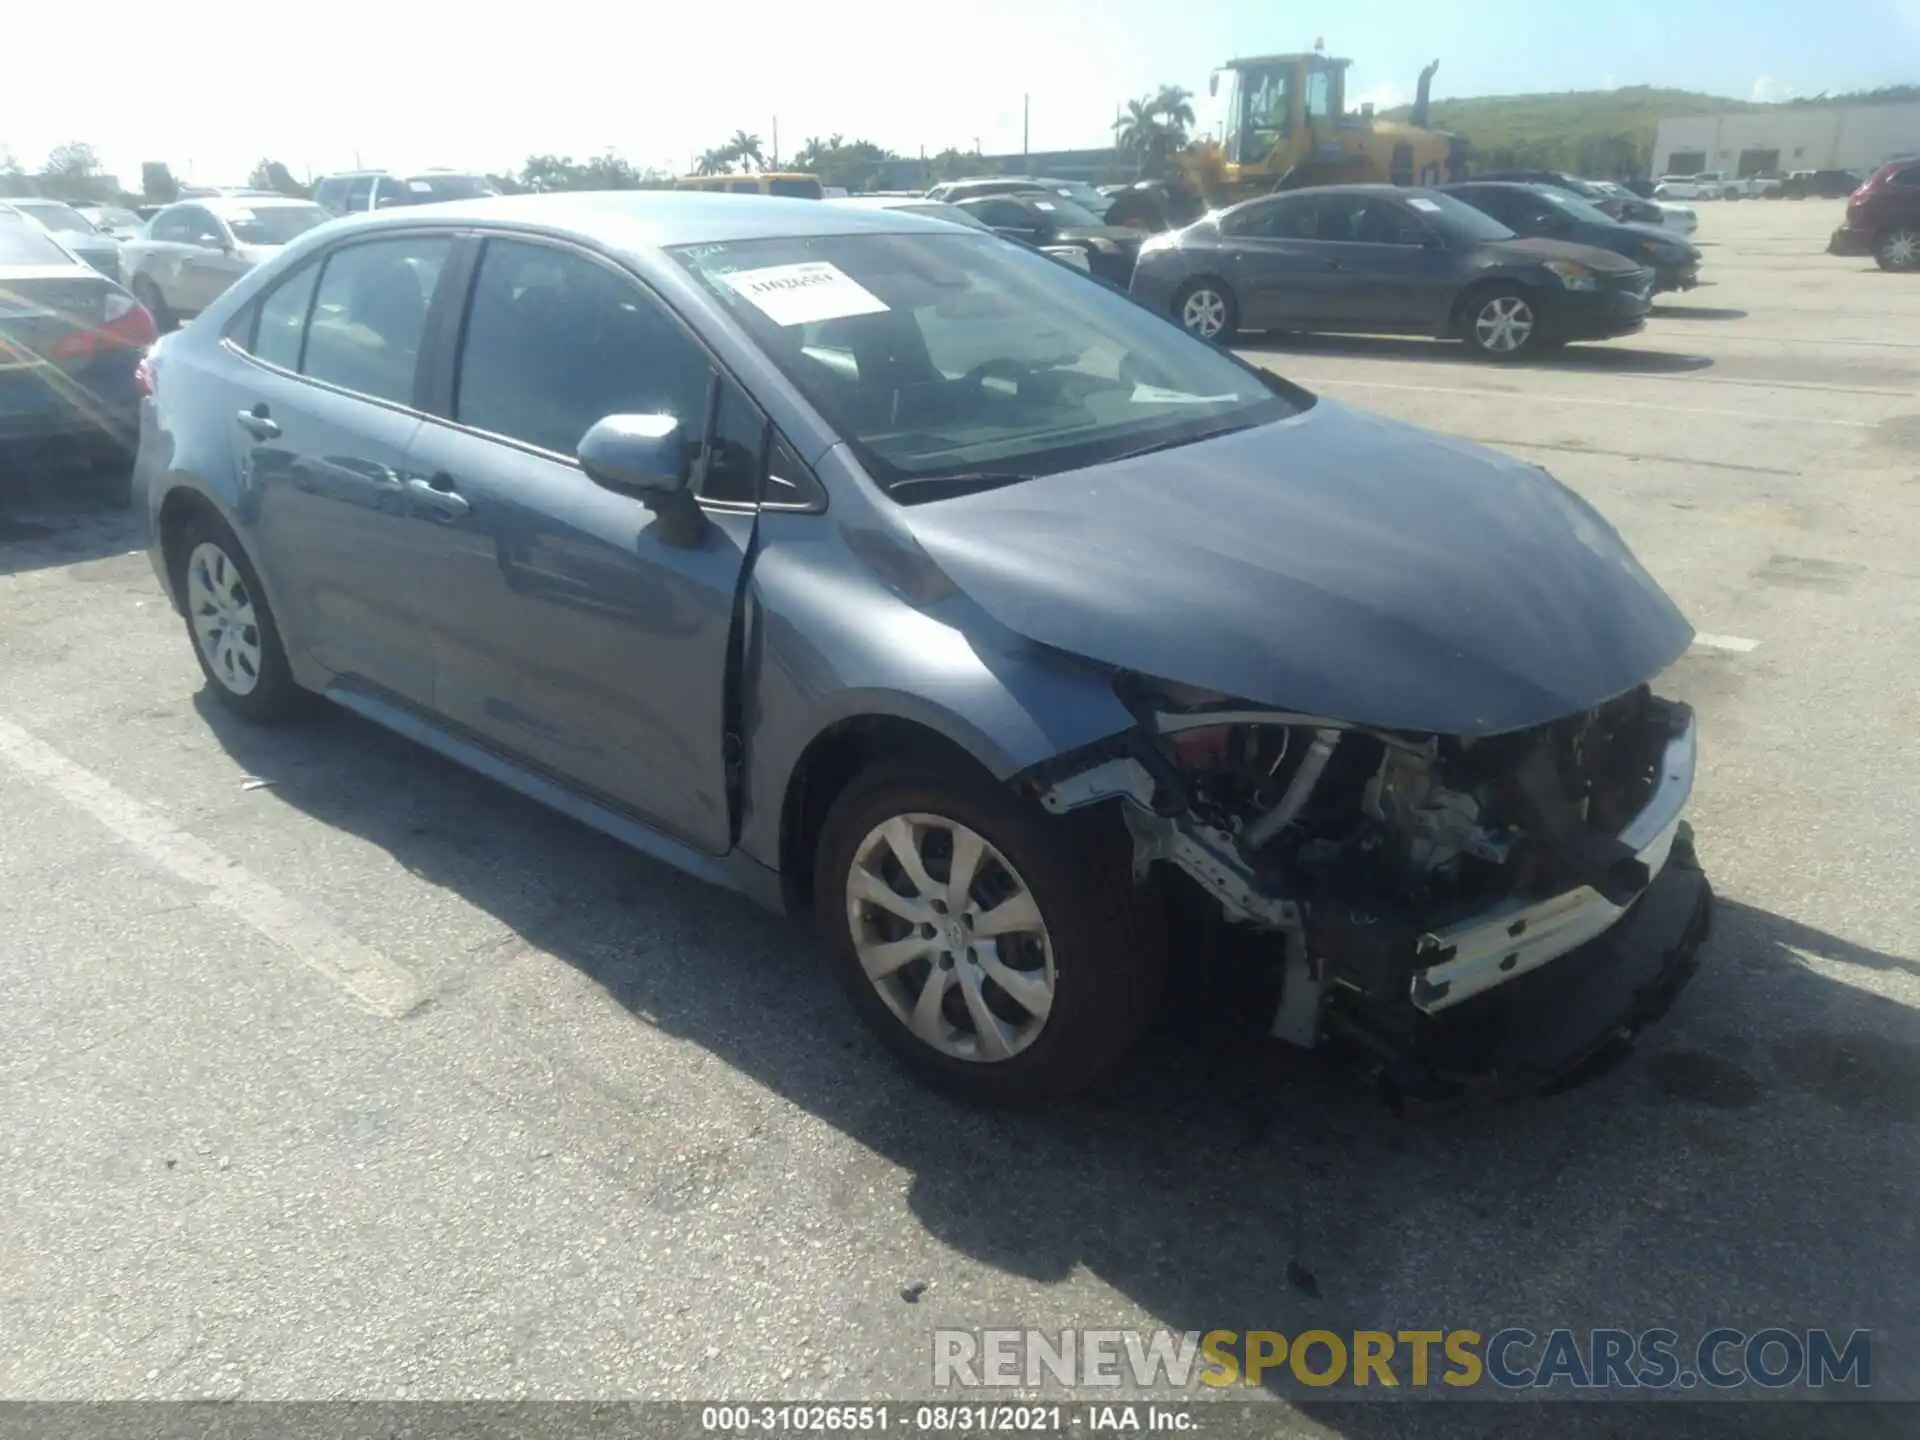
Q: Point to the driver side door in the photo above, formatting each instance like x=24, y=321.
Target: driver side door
x=568, y=631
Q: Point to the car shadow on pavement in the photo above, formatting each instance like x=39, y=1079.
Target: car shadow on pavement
x=1697, y=312
x=1599, y=357
x=1749, y=1164
x=60, y=515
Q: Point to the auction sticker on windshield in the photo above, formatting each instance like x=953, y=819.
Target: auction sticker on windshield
x=798, y=294
x=1419, y=203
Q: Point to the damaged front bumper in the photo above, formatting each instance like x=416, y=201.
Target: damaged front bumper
x=1514, y=997
x=1506, y=942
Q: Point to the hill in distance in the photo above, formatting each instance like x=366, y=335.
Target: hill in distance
x=1603, y=133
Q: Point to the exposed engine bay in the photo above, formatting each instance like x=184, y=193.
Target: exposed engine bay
x=1401, y=875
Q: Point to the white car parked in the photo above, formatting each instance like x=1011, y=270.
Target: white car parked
x=1681, y=219
x=193, y=250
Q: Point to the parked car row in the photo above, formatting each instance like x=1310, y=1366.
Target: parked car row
x=1027, y=647
x=1508, y=269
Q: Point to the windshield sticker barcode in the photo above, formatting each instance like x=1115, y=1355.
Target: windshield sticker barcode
x=800, y=294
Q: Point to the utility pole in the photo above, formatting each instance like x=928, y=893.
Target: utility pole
x=775, y=162
x=1026, y=121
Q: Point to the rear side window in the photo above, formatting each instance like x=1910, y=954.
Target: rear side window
x=1907, y=179
x=369, y=314
x=283, y=319
x=1275, y=220
x=555, y=342
x=795, y=189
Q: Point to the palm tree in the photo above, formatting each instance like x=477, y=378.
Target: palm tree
x=1137, y=133
x=746, y=149
x=1173, y=108
x=717, y=161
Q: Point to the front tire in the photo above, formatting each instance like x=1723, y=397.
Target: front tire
x=230, y=625
x=1005, y=955
x=1502, y=322
x=1899, y=249
x=1207, y=310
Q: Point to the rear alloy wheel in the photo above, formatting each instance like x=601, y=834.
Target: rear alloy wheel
x=1501, y=324
x=1003, y=953
x=1206, y=309
x=1899, y=249
x=232, y=629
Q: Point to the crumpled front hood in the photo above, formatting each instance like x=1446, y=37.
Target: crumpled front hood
x=1336, y=563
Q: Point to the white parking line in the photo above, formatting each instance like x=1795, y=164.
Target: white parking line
x=1737, y=644
x=1510, y=395
x=375, y=981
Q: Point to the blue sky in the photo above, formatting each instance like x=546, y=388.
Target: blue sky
x=390, y=83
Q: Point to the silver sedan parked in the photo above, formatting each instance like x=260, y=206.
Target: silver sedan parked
x=192, y=251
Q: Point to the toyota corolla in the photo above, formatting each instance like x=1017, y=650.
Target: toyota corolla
x=1038, y=652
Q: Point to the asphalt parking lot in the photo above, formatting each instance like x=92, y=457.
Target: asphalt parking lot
x=333, y=1071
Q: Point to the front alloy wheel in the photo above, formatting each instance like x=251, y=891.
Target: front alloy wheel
x=1900, y=250
x=1504, y=325
x=1003, y=953
x=951, y=937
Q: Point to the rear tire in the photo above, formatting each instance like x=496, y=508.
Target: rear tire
x=1079, y=944
x=1207, y=309
x=1501, y=322
x=1899, y=249
x=148, y=294
x=230, y=625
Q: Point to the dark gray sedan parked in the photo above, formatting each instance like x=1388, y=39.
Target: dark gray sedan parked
x=1383, y=260
x=1550, y=214
x=900, y=579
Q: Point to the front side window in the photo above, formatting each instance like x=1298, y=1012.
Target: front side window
x=369, y=315
x=1319, y=95
x=737, y=451
x=555, y=342
x=956, y=358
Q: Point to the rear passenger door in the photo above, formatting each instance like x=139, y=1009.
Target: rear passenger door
x=1272, y=261
x=346, y=534
x=569, y=631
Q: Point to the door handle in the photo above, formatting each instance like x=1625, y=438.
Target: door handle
x=1336, y=265
x=258, y=424
x=440, y=495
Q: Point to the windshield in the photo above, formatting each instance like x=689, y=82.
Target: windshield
x=272, y=224
x=1061, y=210
x=1457, y=219
x=430, y=189
x=934, y=210
x=57, y=217
x=1085, y=196
x=960, y=357
x=24, y=244
x=1578, y=208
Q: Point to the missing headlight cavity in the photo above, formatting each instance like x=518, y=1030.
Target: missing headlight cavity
x=1390, y=878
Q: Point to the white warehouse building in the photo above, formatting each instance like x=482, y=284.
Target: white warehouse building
x=1860, y=138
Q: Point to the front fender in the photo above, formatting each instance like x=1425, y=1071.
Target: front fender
x=830, y=641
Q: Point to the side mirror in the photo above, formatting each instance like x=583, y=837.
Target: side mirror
x=647, y=457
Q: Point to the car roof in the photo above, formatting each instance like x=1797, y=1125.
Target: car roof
x=656, y=219
x=227, y=204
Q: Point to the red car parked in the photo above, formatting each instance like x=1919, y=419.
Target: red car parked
x=1883, y=218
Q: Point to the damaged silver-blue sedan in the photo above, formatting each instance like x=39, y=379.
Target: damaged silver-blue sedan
x=1038, y=653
